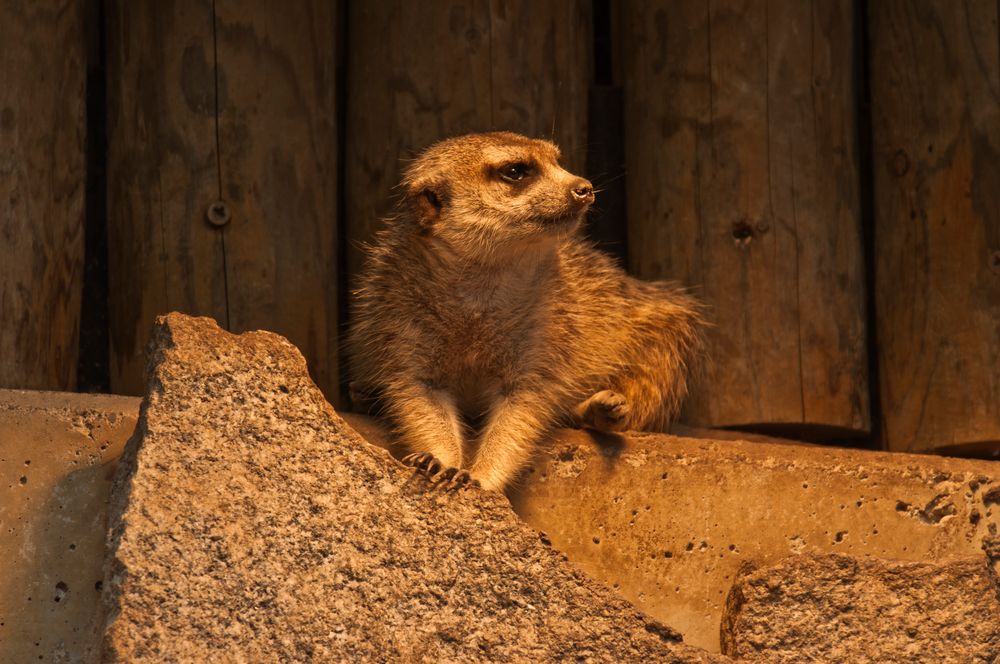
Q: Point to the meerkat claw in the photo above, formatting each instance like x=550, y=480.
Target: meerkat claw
x=415, y=458
x=451, y=478
x=463, y=478
x=445, y=475
x=438, y=474
x=424, y=461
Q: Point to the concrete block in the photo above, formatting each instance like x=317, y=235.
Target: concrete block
x=668, y=521
x=766, y=500
x=57, y=456
x=836, y=608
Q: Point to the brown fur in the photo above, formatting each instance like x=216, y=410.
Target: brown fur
x=483, y=319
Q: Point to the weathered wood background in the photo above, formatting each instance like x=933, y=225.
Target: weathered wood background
x=743, y=183
x=42, y=142
x=824, y=174
x=222, y=173
x=935, y=86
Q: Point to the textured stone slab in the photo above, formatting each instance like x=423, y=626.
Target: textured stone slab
x=250, y=523
x=835, y=608
x=668, y=521
x=57, y=454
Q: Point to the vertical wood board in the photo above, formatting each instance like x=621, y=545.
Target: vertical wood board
x=42, y=182
x=162, y=174
x=278, y=160
x=935, y=85
x=741, y=147
x=223, y=103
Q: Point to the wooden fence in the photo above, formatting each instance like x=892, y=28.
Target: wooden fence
x=744, y=182
x=222, y=173
x=42, y=178
x=825, y=174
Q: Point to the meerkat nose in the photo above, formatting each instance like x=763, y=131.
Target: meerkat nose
x=582, y=191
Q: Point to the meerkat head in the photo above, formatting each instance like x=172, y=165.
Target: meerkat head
x=485, y=191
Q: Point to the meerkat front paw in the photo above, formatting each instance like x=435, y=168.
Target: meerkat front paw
x=604, y=411
x=437, y=473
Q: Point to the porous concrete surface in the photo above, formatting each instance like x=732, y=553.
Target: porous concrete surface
x=668, y=521
x=835, y=608
x=250, y=523
x=758, y=486
x=57, y=455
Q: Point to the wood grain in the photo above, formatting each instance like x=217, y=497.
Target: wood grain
x=162, y=175
x=420, y=72
x=278, y=138
x=223, y=102
x=42, y=180
x=935, y=86
x=741, y=149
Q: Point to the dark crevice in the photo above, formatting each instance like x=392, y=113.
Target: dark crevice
x=489, y=18
x=603, y=44
x=343, y=283
x=93, y=365
x=866, y=174
x=606, y=222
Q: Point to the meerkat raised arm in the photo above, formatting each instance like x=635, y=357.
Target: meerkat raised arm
x=483, y=320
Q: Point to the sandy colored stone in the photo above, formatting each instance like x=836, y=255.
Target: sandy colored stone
x=668, y=521
x=250, y=523
x=57, y=456
x=836, y=608
x=750, y=495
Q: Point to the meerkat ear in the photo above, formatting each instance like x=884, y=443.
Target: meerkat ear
x=430, y=205
x=426, y=201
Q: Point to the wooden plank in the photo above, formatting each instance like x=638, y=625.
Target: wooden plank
x=935, y=86
x=223, y=102
x=541, y=62
x=743, y=183
x=420, y=72
x=162, y=175
x=278, y=139
x=42, y=179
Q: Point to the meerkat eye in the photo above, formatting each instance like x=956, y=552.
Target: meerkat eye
x=514, y=172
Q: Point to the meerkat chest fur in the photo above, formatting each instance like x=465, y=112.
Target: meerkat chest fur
x=489, y=318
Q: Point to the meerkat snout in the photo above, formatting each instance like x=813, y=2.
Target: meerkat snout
x=582, y=192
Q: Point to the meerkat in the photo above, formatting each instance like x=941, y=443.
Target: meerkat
x=483, y=319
